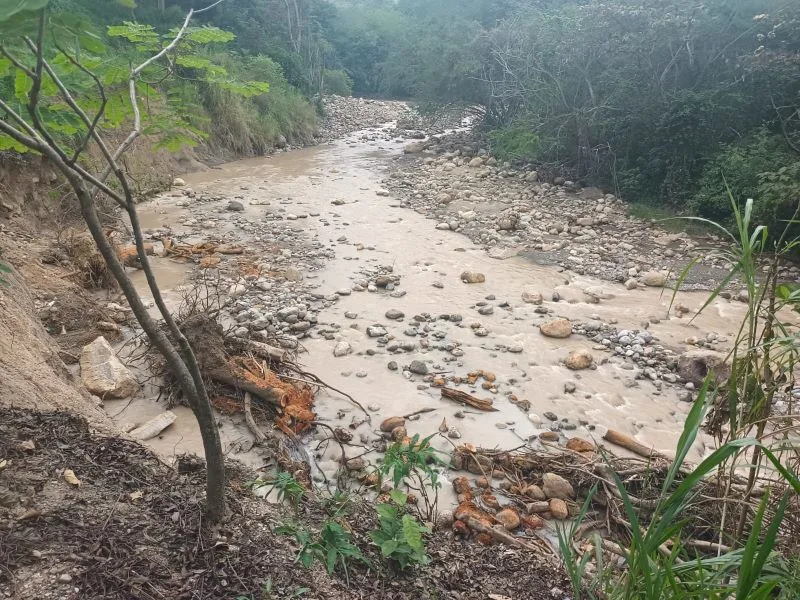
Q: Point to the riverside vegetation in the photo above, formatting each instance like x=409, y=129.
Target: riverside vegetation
x=552, y=82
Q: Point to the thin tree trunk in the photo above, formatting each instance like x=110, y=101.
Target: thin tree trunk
x=198, y=399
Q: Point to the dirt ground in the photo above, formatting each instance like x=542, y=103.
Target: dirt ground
x=133, y=528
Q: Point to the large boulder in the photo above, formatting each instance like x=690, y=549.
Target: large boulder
x=579, y=359
x=654, y=279
x=694, y=365
x=102, y=372
x=415, y=147
x=555, y=486
x=473, y=277
x=557, y=328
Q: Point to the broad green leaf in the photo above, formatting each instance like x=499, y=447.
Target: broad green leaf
x=412, y=531
x=200, y=63
x=144, y=36
x=9, y=8
x=388, y=547
x=398, y=497
x=22, y=85
x=206, y=35
x=9, y=143
x=5, y=67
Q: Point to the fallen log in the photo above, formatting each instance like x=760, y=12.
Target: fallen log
x=154, y=426
x=259, y=349
x=625, y=441
x=469, y=399
x=223, y=375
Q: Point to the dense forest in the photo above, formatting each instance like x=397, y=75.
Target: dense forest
x=669, y=103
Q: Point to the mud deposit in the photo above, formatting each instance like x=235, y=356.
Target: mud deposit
x=370, y=293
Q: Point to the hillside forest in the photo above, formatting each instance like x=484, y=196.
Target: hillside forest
x=669, y=103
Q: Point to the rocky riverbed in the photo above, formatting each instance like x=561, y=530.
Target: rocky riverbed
x=396, y=266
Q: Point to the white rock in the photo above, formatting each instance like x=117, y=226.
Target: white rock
x=102, y=372
x=531, y=296
x=154, y=426
x=342, y=348
x=236, y=290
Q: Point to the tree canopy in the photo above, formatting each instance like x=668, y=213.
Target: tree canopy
x=661, y=101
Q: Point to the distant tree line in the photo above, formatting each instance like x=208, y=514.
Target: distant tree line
x=662, y=100
x=668, y=102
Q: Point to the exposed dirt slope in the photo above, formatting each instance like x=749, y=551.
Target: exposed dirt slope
x=32, y=374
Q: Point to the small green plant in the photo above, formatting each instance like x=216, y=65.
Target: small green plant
x=515, y=143
x=414, y=464
x=338, y=505
x=400, y=538
x=576, y=566
x=4, y=269
x=332, y=546
x=286, y=486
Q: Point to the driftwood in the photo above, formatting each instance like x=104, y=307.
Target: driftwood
x=422, y=411
x=498, y=534
x=260, y=349
x=625, y=441
x=224, y=375
x=251, y=422
x=469, y=399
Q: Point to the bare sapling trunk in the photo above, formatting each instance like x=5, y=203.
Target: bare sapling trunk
x=172, y=344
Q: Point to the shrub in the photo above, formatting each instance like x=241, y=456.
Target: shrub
x=413, y=464
x=332, y=546
x=400, y=537
x=252, y=125
x=337, y=82
x=762, y=167
x=514, y=143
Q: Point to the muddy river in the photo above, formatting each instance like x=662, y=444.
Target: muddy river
x=371, y=229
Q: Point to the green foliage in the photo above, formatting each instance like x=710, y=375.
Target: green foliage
x=338, y=82
x=74, y=39
x=286, y=487
x=762, y=167
x=576, y=567
x=253, y=125
x=332, y=546
x=563, y=83
x=404, y=459
x=9, y=8
x=749, y=573
x=4, y=269
x=515, y=144
x=400, y=538
x=338, y=504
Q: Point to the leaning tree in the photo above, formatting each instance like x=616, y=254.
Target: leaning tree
x=62, y=92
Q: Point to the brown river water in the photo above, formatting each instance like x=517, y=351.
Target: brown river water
x=391, y=235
